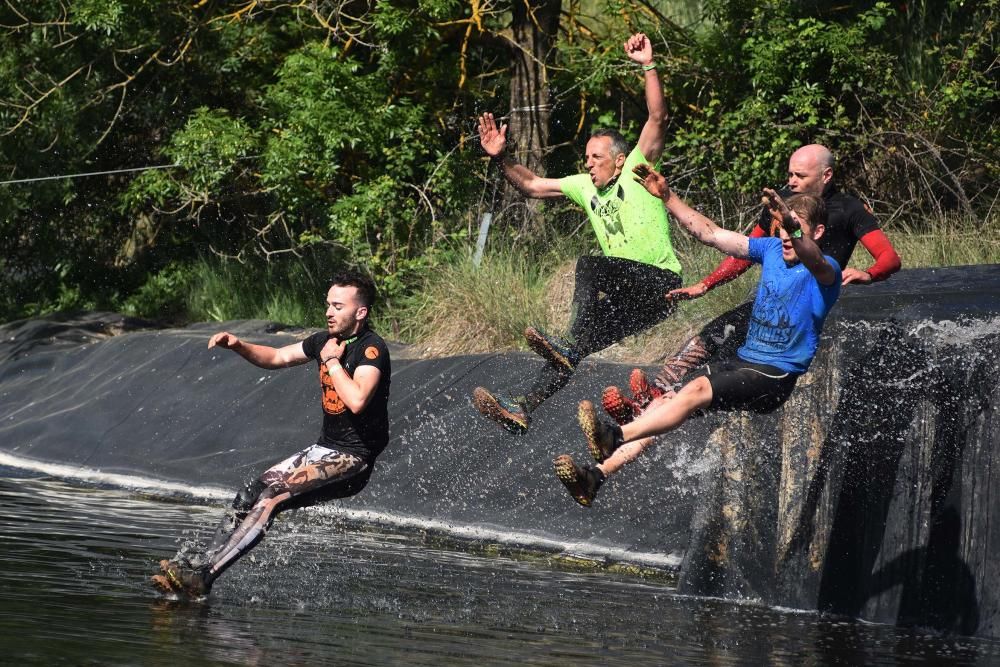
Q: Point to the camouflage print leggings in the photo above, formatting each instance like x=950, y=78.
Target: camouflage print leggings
x=313, y=475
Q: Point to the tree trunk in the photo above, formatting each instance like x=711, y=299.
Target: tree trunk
x=534, y=27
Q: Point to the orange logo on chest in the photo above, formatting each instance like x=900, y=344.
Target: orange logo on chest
x=332, y=403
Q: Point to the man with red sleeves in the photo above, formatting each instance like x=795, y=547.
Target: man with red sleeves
x=810, y=171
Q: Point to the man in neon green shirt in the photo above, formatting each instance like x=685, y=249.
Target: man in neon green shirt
x=620, y=293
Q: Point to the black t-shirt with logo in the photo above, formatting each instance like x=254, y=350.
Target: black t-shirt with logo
x=365, y=434
x=847, y=221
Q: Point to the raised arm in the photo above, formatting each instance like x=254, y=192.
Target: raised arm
x=651, y=139
x=264, y=356
x=805, y=247
x=494, y=142
x=700, y=227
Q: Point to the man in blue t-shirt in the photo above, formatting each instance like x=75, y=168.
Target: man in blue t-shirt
x=354, y=375
x=798, y=287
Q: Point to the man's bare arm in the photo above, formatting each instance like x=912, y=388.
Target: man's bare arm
x=494, y=141
x=651, y=139
x=356, y=392
x=699, y=226
x=264, y=356
x=805, y=247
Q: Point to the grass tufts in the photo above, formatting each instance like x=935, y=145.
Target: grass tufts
x=464, y=309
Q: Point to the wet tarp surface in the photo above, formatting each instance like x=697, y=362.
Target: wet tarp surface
x=157, y=403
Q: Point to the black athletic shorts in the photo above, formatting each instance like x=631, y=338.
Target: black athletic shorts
x=741, y=385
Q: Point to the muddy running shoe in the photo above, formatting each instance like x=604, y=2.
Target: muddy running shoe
x=182, y=580
x=162, y=584
x=582, y=483
x=643, y=393
x=691, y=356
x=553, y=348
x=504, y=411
x=619, y=408
x=602, y=439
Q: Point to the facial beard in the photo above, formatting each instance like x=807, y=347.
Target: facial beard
x=346, y=331
x=335, y=330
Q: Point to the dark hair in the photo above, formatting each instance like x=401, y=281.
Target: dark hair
x=811, y=207
x=364, y=284
x=618, y=143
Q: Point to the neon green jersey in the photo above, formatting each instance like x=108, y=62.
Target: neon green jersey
x=629, y=222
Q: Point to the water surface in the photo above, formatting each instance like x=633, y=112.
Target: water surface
x=75, y=561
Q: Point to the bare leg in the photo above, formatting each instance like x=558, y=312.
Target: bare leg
x=660, y=417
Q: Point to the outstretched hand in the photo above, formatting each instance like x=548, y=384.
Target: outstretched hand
x=654, y=182
x=779, y=209
x=856, y=277
x=639, y=48
x=225, y=340
x=688, y=293
x=493, y=140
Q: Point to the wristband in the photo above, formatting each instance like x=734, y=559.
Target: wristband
x=332, y=364
x=646, y=68
x=797, y=234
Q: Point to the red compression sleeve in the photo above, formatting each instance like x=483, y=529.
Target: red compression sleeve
x=887, y=262
x=728, y=269
x=731, y=267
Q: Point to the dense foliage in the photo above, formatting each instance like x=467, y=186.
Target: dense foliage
x=311, y=133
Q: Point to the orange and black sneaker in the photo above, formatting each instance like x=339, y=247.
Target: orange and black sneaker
x=181, y=580
x=643, y=393
x=556, y=350
x=602, y=439
x=622, y=410
x=581, y=482
x=693, y=355
x=507, y=412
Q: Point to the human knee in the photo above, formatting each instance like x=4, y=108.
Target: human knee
x=697, y=393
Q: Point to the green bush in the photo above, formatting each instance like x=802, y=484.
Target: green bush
x=351, y=134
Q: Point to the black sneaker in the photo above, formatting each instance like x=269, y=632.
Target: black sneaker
x=181, y=580
x=555, y=349
x=504, y=411
x=582, y=483
x=602, y=439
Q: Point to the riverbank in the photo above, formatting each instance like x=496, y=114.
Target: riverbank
x=459, y=308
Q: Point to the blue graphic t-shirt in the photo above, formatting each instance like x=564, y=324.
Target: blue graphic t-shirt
x=789, y=310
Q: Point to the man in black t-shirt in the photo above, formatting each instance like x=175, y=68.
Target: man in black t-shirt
x=354, y=375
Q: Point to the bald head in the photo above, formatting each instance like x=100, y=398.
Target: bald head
x=809, y=169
